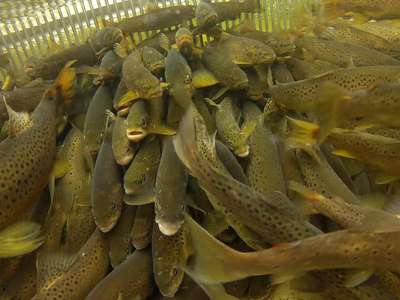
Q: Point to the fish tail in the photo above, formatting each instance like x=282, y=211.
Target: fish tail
x=305, y=192
x=303, y=135
x=64, y=84
x=185, y=141
x=19, y=239
x=332, y=101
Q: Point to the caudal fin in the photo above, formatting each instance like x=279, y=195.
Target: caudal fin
x=19, y=239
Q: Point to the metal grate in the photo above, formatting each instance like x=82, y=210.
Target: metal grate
x=70, y=22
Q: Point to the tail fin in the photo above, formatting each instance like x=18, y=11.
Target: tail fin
x=329, y=108
x=303, y=135
x=19, y=239
x=305, y=192
x=64, y=84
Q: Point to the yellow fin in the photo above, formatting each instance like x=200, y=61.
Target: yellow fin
x=128, y=97
x=121, y=49
x=385, y=179
x=64, y=83
x=343, y=153
x=303, y=135
x=8, y=83
x=354, y=278
x=305, y=192
x=203, y=78
x=161, y=129
x=19, y=239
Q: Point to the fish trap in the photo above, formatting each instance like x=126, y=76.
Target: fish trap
x=33, y=27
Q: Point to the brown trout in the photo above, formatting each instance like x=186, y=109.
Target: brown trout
x=142, y=226
x=85, y=54
x=131, y=279
x=376, y=9
x=107, y=192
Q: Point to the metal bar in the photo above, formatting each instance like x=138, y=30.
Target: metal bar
x=27, y=37
x=79, y=21
x=35, y=36
x=60, y=39
x=117, y=11
x=19, y=40
x=64, y=26
x=6, y=46
x=96, y=22
x=72, y=24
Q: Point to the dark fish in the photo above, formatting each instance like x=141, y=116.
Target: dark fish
x=85, y=54
x=132, y=279
x=107, y=192
x=142, y=227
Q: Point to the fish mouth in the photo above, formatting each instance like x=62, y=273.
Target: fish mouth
x=107, y=226
x=168, y=228
x=243, y=152
x=136, y=135
x=184, y=40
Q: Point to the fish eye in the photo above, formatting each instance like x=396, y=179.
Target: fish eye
x=188, y=79
x=143, y=123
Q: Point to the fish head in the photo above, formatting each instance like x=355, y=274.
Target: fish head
x=107, y=215
x=184, y=40
x=107, y=37
x=242, y=150
x=170, y=218
x=205, y=14
x=137, y=124
x=31, y=67
x=136, y=180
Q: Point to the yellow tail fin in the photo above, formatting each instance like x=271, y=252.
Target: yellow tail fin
x=19, y=239
x=64, y=83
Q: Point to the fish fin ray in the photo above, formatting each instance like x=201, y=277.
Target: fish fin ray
x=354, y=278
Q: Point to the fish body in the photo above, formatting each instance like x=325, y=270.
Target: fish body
x=107, y=192
x=178, y=75
x=228, y=127
x=377, y=9
x=347, y=33
x=169, y=254
x=95, y=120
x=88, y=268
x=143, y=169
x=152, y=59
x=206, y=16
x=226, y=72
x=306, y=69
x=251, y=208
x=299, y=94
x=131, y=279
x=138, y=78
x=170, y=190
x=157, y=19
x=281, y=72
x=142, y=226
x=245, y=51
x=122, y=148
x=380, y=28
x=340, y=53
x=85, y=54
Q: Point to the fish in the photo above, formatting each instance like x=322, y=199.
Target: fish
x=107, y=191
x=85, y=54
x=257, y=89
x=370, y=8
x=201, y=78
x=249, y=207
x=138, y=79
x=137, y=122
x=309, y=68
x=23, y=284
x=346, y=33
x=228, y=128
x=142, y=226
x=281, y=72
x=245, y=51
x=178, y=76
x=109, y=69
x=153, y=60
x=170, y=190
x=185, y=42
x=230, y=162
x=264, y=168
x=27, y=161
x=95, y=120
x=380, y=28
x=362, y=248
x=189, y=289
x=299, y=95
x=81, y=273
x=142, y=171
x=225, y=71
x=131, y=279
x=157, y=19
x=169, y=254
x=344, y=54
x=123, y=149
x=21, y=99
x=119, y=238
x=160, y=41
x=206, y=17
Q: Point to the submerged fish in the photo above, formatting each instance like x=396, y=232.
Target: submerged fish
x=27, y=161
x=344, y=54
x=377, y=9
x=122, y=148
x=170, y=190
x=81, y=273
x=361, y=248
x=152, y=60
x=178, y=76
x=85, y=54
x=299, y=95
x=132, y=279
x=107, y=192
x=142, y=226
x=306, y=69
